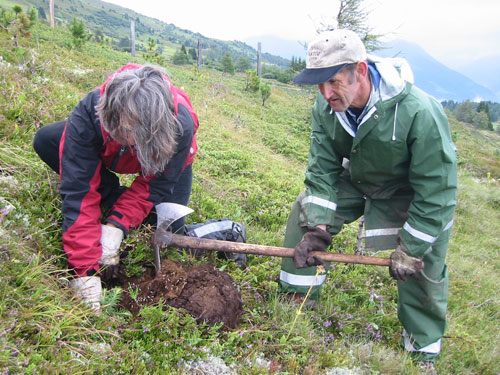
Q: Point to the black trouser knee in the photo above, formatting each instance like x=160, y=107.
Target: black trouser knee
x=46, y=143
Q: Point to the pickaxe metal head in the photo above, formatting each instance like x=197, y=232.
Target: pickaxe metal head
x=166, y=213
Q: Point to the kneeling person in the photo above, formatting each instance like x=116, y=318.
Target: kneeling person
x=137, y=122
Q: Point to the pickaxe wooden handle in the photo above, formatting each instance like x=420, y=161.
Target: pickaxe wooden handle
x=187, y=242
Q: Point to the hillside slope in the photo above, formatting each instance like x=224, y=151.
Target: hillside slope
x=249, y=168
x=114, y=22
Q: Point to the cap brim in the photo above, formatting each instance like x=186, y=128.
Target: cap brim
x=316, y=76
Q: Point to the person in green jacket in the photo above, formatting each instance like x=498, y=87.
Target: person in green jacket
x=380, y=148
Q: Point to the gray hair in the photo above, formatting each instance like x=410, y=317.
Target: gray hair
x=138, y=104
x=351, y=69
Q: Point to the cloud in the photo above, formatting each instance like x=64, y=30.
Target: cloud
x=453, y=31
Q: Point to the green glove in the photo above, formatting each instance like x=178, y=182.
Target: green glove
x=316, y=239
x=404, y=265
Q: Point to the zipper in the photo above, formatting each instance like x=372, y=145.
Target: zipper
x=395, y=120
x=123, y=149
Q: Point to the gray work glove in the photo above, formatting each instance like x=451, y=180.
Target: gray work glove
x=404, y=265
x=89, y=290
x=316, y=239
x=111, y=239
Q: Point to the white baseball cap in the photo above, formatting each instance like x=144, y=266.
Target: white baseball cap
x=329, y=53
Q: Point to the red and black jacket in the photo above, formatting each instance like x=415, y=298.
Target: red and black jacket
x=85, y=149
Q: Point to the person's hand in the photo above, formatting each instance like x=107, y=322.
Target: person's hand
x=89, y=290
x=110, y=272
x=404, y=265
x=111, y=238
x=316, y=239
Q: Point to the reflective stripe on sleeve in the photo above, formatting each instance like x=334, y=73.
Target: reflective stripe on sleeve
x=420, y=235
x=320, y=202
x=301, y=280
x=424, y=236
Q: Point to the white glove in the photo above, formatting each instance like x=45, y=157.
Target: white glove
x=111, y=238
x=89, y=290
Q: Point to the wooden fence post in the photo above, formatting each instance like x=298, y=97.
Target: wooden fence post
x=259, y=60
x=51, y=12
x=199, y=55
x=132, y=38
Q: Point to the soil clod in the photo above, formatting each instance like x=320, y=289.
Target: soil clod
x=209, y=295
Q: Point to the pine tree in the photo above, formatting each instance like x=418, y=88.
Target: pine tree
x=242, y=64
x=484, y=107
x=193, y=54
x=227, y=64
x=80, y=36
x=253, y=80
x=180, y=57
x=153, y=55
x=297, y=64
x=353, y=16
x=17, y=22
x=265, y=92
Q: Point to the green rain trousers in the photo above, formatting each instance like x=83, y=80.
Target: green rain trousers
x=422, y=299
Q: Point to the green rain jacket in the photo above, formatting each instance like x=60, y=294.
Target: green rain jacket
x=402, y=145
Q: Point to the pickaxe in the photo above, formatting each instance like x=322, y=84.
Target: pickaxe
x=166, y=214
x=170, y=212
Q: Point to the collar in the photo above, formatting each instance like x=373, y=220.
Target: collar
x=357, y=115
x=375, y=86
x=349, y=120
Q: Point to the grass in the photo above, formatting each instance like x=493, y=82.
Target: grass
x=249, y=168
x=479, y=150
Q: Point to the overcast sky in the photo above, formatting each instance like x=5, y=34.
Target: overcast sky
x=455, y=32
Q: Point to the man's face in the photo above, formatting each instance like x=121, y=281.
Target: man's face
x=341, y=91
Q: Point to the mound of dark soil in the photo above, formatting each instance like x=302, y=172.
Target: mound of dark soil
x=206, y=293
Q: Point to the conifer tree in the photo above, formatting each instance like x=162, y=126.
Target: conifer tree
x=265, y=92
x=242, y=64
x=17, y=22
x=80, y=36
x=227, y=63
x=353, y=16
x=180, y=57
x=485, y=108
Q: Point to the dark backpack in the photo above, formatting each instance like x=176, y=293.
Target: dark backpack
x=220, y=229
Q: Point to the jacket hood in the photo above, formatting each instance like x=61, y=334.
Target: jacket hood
x=395, y=73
